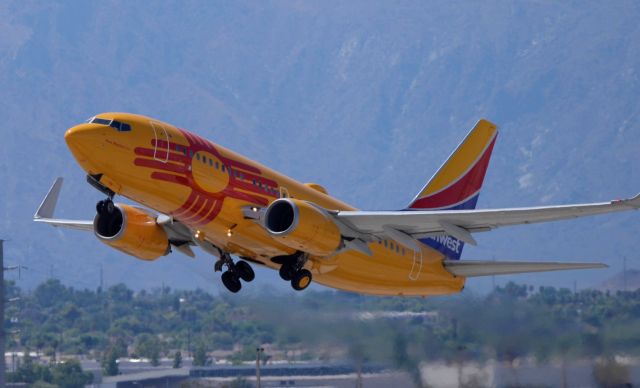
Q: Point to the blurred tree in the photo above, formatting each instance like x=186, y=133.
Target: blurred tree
x=69, y=374
x=610, y=373
x=110, y=363
x=200, y=356
x=177, y=360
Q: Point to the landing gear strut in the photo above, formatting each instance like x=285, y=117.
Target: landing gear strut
x=235, y=271
x=292, y=270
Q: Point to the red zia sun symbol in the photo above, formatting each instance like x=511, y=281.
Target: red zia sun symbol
x=211, y=177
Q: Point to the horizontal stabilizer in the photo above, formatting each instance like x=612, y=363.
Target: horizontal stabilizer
x=471, y=268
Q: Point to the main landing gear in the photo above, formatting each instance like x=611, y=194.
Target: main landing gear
x=292, y=270
x=234, y=273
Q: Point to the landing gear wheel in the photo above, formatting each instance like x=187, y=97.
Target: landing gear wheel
x=244, y=270
x=100, y=207
x=105, y=206
x=301, y=279
x=110, y=207
x=287, y=271
x=231, y=281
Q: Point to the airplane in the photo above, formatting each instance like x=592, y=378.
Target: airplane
x=195, y=193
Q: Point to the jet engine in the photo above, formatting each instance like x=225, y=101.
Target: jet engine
x=131, y=230
x=302, y=226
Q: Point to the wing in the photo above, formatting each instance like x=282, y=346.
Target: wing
x=180, y=236
x=405, y=226
x=471, y=268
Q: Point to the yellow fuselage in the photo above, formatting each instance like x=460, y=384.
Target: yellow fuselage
x=206, y=187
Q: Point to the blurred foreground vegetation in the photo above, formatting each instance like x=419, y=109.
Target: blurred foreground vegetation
x=512, y=322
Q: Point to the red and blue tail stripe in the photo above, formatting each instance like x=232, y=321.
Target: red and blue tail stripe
x=456, y=185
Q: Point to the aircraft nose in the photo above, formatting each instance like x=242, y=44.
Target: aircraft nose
x=85, y=141
x=75, y=135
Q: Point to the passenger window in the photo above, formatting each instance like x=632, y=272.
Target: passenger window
x=222, y=168
x=210, y=162
x=198, y=156
x=217, y=166
x=385, y=243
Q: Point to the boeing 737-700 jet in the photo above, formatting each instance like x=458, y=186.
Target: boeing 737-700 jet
x=194, y=192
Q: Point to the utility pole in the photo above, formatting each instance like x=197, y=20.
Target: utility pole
x=624, y=273
x=258, y=353
x=2, y=329
x=101, y=279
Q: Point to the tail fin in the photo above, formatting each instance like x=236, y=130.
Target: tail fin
x=456, y=185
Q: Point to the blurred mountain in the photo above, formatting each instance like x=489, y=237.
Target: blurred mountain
x=364, y=97
x=629, y=281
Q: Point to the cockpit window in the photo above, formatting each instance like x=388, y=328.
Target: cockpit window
x=97, y=120
x=122, y=127
x=118, y=125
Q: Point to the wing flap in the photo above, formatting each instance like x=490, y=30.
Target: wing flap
x=473, y=268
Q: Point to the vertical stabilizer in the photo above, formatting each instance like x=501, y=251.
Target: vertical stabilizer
x=456, y=185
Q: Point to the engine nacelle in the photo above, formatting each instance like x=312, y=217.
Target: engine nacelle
x=133, y=231
x=302, y=226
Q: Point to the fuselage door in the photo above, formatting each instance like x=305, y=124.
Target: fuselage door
x=416, y=268
x=284, y=193
x=161, y=142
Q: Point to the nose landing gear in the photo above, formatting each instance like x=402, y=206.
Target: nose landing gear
x=105, y=206
x=235, y=271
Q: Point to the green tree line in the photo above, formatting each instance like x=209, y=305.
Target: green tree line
x=511, y=322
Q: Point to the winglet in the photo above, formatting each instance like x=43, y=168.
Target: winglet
x=48, y=205
x=635, y=201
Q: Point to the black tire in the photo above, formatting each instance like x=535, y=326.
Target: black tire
x=286, y=271
x=244, y=270
x=100, y=208
x=301, y=279
x=109, y=206
x=231, y=281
